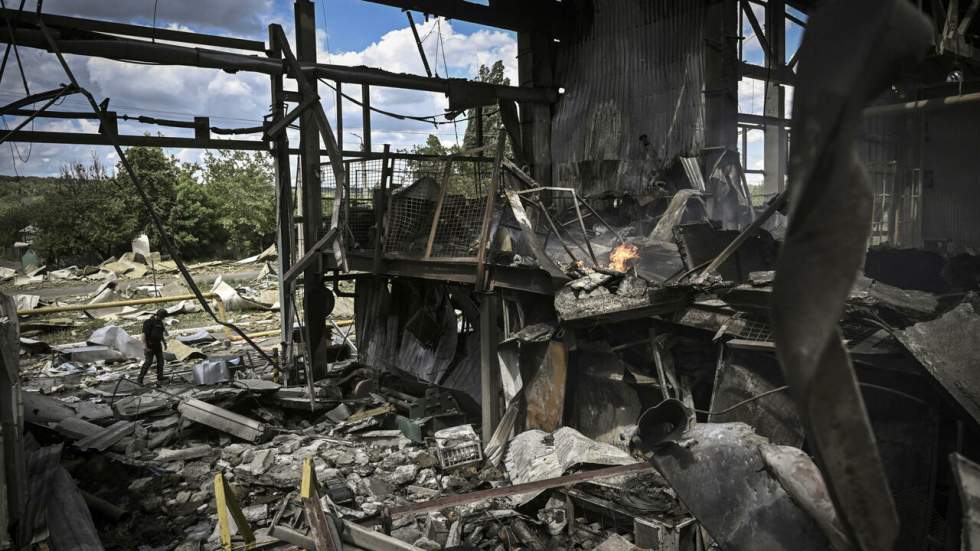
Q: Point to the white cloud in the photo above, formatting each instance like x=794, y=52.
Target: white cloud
x=236, y=100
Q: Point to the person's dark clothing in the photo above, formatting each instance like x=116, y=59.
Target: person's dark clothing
x=153, y=351
x=153, y=332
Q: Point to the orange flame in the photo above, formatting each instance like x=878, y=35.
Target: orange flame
x=621, y=254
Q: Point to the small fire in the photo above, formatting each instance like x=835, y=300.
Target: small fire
x=621, y=254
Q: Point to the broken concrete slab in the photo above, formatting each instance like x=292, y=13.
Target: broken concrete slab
x=105, y=438
x=215, y=417
x=183, y=454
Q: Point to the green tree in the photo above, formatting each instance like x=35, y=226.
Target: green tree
x=158, y=172
x=19, y=201
x=242, y=187
x=86, y=215
x=193, y=221
x=491, y=115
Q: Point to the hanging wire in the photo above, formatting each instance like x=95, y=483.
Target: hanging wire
x=445, y=67
x=786, y=387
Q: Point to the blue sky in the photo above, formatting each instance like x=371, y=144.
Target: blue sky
x=350, y=32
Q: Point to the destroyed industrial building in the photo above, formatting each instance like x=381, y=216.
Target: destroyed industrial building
x=588, y=333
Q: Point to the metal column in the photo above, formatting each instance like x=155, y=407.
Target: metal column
x=366, y=115
x=534, y=68
x=775, y=145
x=490, y=388
x=340, y=114
x=721, y=75
x=315, y=294
x=284, y=203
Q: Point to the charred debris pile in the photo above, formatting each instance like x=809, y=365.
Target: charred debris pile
x=638, y=403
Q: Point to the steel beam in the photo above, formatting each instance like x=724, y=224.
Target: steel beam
x=284, y=203
x=721, y=75
x=135, y=30
x=775, y=144
x=462, y=91
x=366, y=116
x=536, y=16
x=315, y=295
x=490, y=388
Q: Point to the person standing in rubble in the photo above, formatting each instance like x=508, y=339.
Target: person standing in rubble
x=153, y=339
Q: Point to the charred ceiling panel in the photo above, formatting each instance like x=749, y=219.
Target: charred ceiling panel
x=632, y=68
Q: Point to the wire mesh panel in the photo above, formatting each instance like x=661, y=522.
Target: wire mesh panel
x=461, y=218
x=363, y=180
x=414, y=188
x=412, y=204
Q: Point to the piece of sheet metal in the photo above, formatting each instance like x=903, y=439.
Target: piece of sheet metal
x=718, y=472
x=967, y=475
x=947, y=348
x=850, y=52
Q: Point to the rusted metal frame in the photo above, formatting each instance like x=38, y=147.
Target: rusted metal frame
x=329, y=140
x=481, y=259
x=34, y=98
x=504, y=491
x=283, y=122
x=585, y=233
x=777, y=203
x=581, y=220
x=61, y=92
x=756, y=27
x=544, y=261
x=526, y=179
x=447, y=173
x=601, y=219
x=157, y=222
x=551, y=223
x=379, y=209
x=418, y=42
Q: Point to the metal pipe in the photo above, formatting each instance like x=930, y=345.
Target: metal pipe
x=921, y=105
x=114, y=304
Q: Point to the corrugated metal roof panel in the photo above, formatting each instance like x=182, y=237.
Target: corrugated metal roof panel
x=633, y=68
